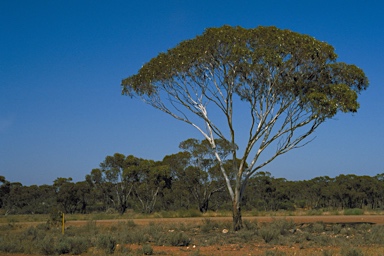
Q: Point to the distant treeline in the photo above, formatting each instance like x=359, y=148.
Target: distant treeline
x=184, y=181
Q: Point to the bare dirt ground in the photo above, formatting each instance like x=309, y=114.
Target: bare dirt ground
x=234, y=249
x=253, y=249
x=374, y=219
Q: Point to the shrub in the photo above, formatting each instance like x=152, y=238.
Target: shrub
x=375, y=235
x=348, y=251
x=322, y=240
x=9, y=245
x=268, y=233
x=32, y=234
x=182, y=227
x=90, y=228
x=178, y=239
x=289, y=206
x=131, y=224
x=79, y=245
x=346, y=231
x=246, y=235
x=43, y=227
x=314, y=212
x=189, y=213
x=327, y=253
x=250, y=225
x=364, y=227
x=55, y=218
x=111, y=211
x=317, y=227
x=107, y=243
x=354, y=211
x=138, y=236
x=272, y=231
x=301, y=204
x=63, y=246
x=47, y=246
x=147, y=249
x=152, y=232
x=283, y=226
x=214, y=240
x=209, y=225
x=336, y=229
x=154, y=228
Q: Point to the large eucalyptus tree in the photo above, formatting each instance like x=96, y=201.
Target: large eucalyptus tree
x=279, y=83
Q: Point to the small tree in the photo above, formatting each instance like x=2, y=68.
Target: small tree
x=283, y=84
x=202, y=177
x=5, y=189
x=153, y=179
x=115, y=177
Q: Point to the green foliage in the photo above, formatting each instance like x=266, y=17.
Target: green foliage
x=55, y=218
x=89, y=228
x=10, y=245
x=31, y=233
x=74, y=245
x=63, y=246
x=314, y=212
x=147, y=249
x=265, y=195
x=188, y=213
x=354, y=211
x=351, y=251
x=178, y=239
x=336, y=229
x=317, y=227
x=209, y=225
x=374, y=235
x=78, y=240
x=283, y=226
x=260, y=46
x=131, y=224
x=283, y=77
x=250, y=225
x=268, y=233
x=328, y=253
x=47, y=245
x=138, y=236
x=107, y=243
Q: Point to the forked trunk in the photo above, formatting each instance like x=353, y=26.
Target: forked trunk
x=237, y=220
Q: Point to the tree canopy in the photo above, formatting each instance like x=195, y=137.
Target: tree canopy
x=283, y=83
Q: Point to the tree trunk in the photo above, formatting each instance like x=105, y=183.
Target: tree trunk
x=237, y=220
x=122, y=208
x=204, y=206
x=236, y=201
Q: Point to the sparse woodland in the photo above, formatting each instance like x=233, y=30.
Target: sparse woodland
x=186, y=181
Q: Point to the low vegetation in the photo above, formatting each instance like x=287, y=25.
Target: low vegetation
x=126, y=237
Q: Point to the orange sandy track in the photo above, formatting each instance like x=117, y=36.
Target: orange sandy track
x=374, y=219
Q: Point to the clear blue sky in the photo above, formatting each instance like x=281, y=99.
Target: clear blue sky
x=62, y=62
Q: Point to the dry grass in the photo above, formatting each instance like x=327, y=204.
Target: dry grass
x=179, y=214
x=121, y=237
